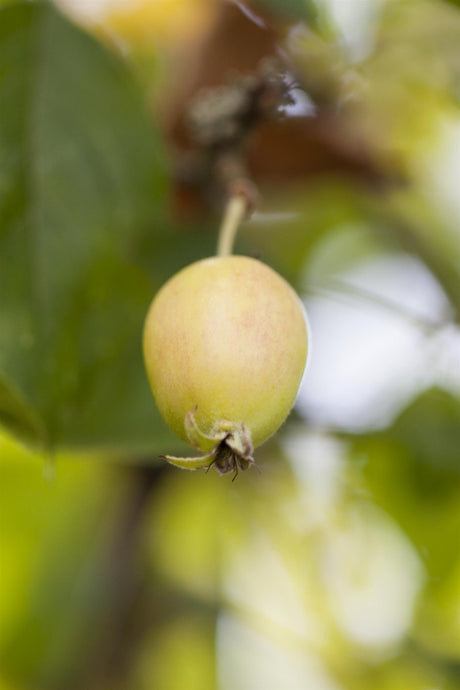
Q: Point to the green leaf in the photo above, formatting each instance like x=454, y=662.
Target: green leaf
x=293, y=9
x=413, y=471
x=430, y=427
x=16, y=416
x=82, y=182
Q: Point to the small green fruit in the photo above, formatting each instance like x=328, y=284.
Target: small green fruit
x=225, y=347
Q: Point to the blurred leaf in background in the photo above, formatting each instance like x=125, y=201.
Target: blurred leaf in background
x=84, y=180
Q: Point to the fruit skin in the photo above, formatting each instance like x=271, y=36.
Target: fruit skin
x=225, y=340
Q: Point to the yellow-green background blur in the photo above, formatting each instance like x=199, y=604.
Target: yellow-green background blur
x=337, y=567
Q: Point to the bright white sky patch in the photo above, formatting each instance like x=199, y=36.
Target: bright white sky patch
x=369, y=360
x=356, y=20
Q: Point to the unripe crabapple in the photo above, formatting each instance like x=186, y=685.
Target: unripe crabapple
x=225, y=346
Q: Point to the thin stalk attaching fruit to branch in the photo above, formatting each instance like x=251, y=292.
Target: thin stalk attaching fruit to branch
x=235, y=212
x=240, y=205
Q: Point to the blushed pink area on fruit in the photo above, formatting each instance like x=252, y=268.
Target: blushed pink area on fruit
x=226, y=335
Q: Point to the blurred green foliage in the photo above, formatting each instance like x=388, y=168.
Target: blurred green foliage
x=336, y=567
x=84, y=182
x=305, y=10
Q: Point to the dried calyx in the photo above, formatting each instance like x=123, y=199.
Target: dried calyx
x=228, y=447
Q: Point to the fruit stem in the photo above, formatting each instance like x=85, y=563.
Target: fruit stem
x=235, y=211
